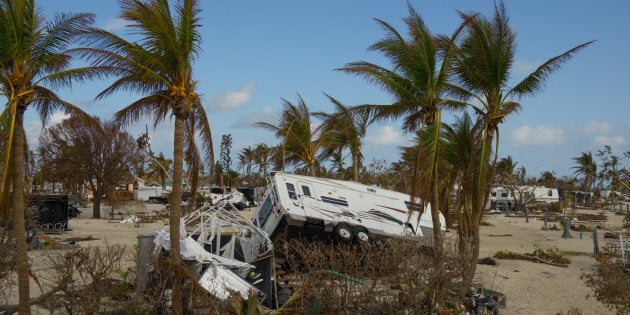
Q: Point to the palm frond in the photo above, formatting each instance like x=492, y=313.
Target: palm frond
x=534, y=82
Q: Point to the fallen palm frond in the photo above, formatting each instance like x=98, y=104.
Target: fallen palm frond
x=549, y=256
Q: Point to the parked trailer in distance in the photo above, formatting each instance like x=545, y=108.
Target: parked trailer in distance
x=348, y=210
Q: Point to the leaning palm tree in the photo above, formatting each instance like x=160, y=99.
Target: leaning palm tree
x=34, y=58
x=418, y=81
x=345, y=129
x=482, y=69
x=300, y=143
x=159, y=66
x=586, y=167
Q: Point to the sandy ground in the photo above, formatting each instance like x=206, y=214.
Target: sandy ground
x=530, y=288
x=534, y=288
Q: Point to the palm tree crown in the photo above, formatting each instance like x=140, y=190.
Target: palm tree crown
x=586, y=167
x=345, y=130
x=300, y=142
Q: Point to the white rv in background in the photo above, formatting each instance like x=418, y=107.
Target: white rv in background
x=348, y=210
x=523, y=194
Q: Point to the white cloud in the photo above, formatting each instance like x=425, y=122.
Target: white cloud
x=538, y=136
x=33, y=130
x=57, y=117
x=384, y=136
x=596, y=127
x=611, y=141
x=233, y=99
x=115, y=24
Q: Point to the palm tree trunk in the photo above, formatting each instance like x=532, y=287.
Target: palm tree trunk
x=175, y=212
x=481, y=190
x=355, y=167
x=438, y=242
x=19, y=226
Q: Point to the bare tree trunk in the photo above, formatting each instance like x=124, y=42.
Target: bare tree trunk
x=19, y=226
x=175, y=212
x=96, y=203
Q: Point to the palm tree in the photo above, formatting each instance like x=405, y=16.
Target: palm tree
x=299, y=141
x=506, y=166
x=161, y=167
x=160, y=66
x=586, y=167
x=262, y=158
x=461, y=153
x=246, y=159
x=418, y=81
x=34, y=58
x=345, y=129
x=482, y=69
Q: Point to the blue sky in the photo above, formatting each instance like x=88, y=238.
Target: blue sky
x=256, y=52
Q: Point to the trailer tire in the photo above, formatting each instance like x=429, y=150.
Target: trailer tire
x=343, y=232
x=362, y=235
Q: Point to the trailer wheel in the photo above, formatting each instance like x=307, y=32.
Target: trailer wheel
x=343, y=232
x=362, y=235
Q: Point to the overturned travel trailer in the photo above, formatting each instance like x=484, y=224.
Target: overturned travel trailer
x=347, y=210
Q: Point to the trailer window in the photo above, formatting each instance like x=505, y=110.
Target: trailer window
x=549, y=193
x=291, y=191
x=264, y=212
x=306, y=191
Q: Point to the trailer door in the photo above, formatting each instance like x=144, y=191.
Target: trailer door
x=306, y=194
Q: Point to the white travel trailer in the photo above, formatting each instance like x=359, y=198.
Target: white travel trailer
x=348, y=210
x=506, y=197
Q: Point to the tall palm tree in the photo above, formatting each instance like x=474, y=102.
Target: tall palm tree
x=300, y=142
x=34, y=58
x=482, y=69
x=345, y=129
x=418, y=81
x=160, y=66
x=586, y=167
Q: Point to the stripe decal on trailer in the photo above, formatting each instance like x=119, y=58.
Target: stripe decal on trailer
x=339, y=202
